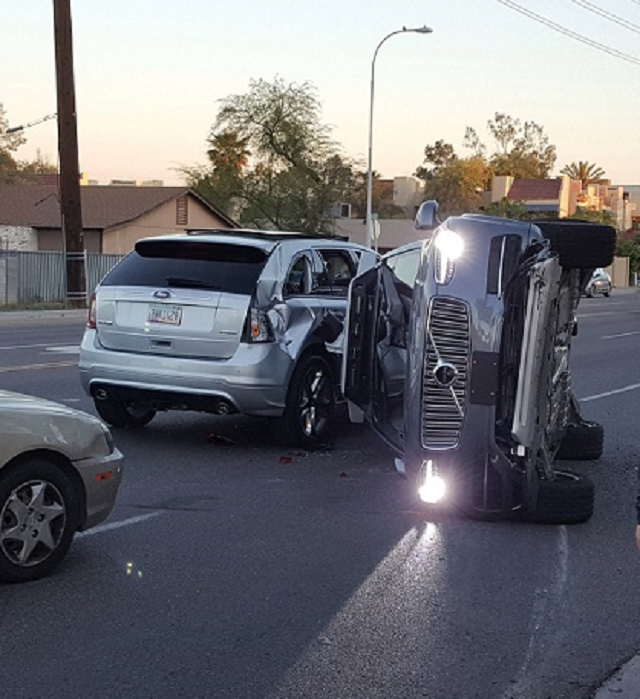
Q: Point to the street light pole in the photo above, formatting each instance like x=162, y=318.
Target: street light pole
x=369, y=219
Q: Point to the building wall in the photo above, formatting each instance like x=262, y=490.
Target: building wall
x=160, y=221
x=18, y=238
x=406, y=191
x=50, y=239
x=500, y=186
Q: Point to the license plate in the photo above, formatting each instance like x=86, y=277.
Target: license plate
x=165, y=314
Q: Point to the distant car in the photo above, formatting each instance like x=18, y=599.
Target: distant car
x=600, y=283
x=59, y=473
x=223, y=322
x=457, y=354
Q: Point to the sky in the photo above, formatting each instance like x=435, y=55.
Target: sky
x=150, y=74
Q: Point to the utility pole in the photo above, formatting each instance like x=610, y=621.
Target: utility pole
x=70, y=206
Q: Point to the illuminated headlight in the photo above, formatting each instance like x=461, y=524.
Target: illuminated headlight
x=432, y=487
x=449, y=247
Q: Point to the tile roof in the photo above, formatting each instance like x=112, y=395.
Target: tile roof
x=103, y=206
x=534, y=190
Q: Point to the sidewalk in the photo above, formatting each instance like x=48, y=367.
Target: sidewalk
x=624, y=684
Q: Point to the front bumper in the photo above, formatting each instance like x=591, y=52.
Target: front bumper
x=101, y=478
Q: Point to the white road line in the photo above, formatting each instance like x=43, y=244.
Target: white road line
x=29, y=367
x=545, y=635
x=15, y=347
x=613, y=337
x=64, y=349
x=615, y=392
x=101, y=528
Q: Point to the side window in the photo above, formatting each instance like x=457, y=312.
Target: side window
x=405, y=266
x=299, y=280
x=337, y=273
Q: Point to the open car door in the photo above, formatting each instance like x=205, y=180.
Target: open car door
x=374, y=360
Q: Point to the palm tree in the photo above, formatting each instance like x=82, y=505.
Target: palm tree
x=587, y=173
x=228, y=151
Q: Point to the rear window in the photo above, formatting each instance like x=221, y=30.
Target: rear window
x=190, y=265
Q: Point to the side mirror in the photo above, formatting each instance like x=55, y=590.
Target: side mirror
x=427, y=216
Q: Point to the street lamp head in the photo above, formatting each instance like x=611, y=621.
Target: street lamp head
x=418, y=30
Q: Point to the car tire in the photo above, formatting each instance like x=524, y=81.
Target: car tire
x=567, y=499
x=310, y=405
x=578, y=248
x=117, y=413
x=38, y=503
x=582, y=442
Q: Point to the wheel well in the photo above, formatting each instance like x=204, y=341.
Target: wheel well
x=319, y=350
x=61, y=461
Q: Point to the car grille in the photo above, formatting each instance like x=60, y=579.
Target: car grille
x=443, y=407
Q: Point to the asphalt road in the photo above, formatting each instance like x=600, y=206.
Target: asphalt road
x=231, y=567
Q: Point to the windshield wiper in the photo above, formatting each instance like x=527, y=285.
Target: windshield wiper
x=186, y=283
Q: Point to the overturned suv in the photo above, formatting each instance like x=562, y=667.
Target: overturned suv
x=222, y=322
x=458, y=355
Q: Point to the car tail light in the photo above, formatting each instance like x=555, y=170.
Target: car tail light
x=258, y=327
x=91, y=319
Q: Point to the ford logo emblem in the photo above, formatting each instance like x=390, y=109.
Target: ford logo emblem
x=162, y=294
x=445, y=374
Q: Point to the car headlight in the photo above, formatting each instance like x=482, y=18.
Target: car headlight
x=449, y=247
x=432, y=487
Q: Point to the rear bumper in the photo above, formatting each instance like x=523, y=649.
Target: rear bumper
x=252, y=382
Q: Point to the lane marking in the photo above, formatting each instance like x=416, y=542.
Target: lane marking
x=606, y=313
x=544, y=638
x=65, y=349
x=29, y=367
x=613, y=337
x=101, y=528
x=15, y=347
x=606, y=394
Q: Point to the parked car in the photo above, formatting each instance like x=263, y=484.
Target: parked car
x=599, y=283
x=222, y=322
x=59, y=473
x=458, y=356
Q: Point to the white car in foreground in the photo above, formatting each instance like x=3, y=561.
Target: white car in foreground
x=59, y=473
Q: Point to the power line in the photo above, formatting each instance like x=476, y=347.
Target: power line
x=608, y=15
x=567, y=32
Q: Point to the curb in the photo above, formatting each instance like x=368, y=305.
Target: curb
x=623, y=684
x=64, y=313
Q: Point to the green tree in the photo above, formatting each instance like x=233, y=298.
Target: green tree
x=630, y=248
x=9, y=143
x=605, y=217
x=458, y=185
x=585, y=172
x=507, y=209
x=523, y=150
x=273, y=163
x=13, y=171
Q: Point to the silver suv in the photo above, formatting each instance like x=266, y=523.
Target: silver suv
x=222, y=322
x=458, y=355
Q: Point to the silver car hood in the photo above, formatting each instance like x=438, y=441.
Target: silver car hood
x=28, y=423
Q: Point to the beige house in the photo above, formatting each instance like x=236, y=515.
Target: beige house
x=113, y=217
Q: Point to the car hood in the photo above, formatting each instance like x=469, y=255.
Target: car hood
x=28, y=423
x=10, y=402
